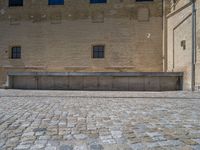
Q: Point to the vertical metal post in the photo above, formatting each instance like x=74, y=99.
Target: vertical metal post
x=164, y=35
x=193, y=44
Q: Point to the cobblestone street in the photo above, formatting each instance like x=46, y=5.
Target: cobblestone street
x=82, y=120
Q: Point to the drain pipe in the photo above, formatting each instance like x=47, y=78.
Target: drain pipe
x=193, y=43
x=164, y=56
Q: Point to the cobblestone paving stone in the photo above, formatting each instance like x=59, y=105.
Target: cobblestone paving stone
x=81, y=120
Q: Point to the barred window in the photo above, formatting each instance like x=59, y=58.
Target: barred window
x=98, y=51
x=13, y=3
x=97, y=1
x=144, y=0
x=16, y=52
x=56, y=2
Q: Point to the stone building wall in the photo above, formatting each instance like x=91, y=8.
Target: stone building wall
x=60, y=38
x=198, y=46
x=179, y=26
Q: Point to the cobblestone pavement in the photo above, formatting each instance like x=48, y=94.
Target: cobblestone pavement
x=81, y=120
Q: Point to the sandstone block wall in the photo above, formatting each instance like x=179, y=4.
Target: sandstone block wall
x=60, y=38
x=179, y=29
x=198, y=46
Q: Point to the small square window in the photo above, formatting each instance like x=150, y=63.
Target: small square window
x=144, y=0
x=56, y=2
x=98, y=51
x=97, y=1
x=16, y=52
x=14, y=3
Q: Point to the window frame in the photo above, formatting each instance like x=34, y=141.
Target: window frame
x=18, y=54
x=143, y=1
x=93, y=52
x=92, y=2
x=15, y=5
x=54, y=4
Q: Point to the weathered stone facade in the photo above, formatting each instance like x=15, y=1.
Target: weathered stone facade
x=137, y=37
x=179, y=31
x=60, y=38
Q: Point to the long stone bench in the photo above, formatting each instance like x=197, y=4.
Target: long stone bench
x=123, y=81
